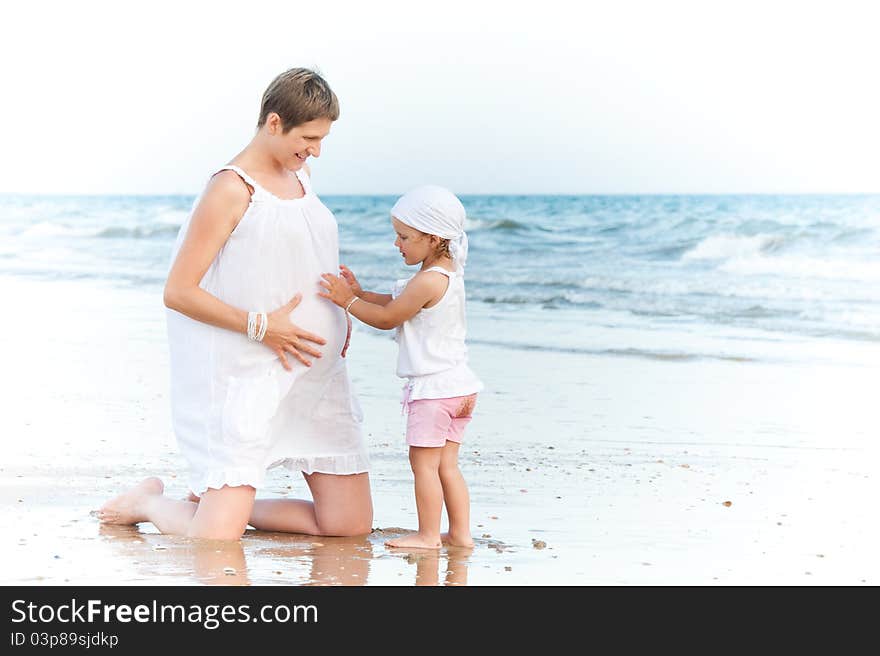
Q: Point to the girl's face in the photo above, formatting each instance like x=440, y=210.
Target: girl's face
x=414, y=245
x=300, y=143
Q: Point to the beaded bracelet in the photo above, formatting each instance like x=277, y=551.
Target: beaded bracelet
x=257, y=324
x=264, y=324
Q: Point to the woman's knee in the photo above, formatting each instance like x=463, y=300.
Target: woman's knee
x=349, y=526
x=213, y=533
x=230, y=527
x=343, y=505
x=347, y=522
x=351, y=531
x=222, y=514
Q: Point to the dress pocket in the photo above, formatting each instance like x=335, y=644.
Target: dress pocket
x=249, y=407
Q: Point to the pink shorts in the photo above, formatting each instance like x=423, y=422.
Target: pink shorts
x=430, y=422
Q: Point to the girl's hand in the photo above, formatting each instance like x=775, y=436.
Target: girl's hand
x=283, y=337
x=346, y=273
x=338, y=289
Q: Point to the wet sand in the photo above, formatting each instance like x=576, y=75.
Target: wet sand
x=582, y=469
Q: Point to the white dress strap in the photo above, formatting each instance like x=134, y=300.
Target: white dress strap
x=304, y=180
x=440, y=269
x=244, y=176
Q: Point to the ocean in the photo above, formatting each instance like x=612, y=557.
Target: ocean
x=679, y=389
x=739, y=277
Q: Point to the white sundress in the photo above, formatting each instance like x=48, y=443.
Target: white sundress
x=236, y=412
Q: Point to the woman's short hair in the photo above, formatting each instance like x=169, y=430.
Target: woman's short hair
x=298, y=96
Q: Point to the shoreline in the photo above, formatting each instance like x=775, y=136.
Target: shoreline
x=583, y=469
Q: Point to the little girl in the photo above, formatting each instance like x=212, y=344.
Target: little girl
x=428, y=311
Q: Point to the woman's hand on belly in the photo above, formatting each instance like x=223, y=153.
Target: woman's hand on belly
x=285, y=337
x=325, y=319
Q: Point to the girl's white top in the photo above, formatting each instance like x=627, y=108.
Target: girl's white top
x=235, y=410
x=432, y=351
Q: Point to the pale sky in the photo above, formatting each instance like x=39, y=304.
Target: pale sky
x=482, y=97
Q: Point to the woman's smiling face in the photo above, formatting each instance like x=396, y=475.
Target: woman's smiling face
x=300, y=142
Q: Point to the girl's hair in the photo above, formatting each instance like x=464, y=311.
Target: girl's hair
x=298, y=96
x=442, y=249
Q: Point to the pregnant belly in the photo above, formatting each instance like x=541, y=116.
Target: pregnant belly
x=324, y=319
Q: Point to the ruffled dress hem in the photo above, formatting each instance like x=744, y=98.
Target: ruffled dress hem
x=233, y=477
x=343, y=465
x=354, y=463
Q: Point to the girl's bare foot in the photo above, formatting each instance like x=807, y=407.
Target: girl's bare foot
x=413, y=541
x=127, y=508
x=454, y=540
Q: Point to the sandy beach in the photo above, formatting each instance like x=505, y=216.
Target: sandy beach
x=583, y=469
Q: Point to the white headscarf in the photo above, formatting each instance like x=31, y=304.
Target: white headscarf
x=435, y=211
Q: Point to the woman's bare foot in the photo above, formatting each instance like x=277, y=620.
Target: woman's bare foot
x=413, y=541
x=127, y=508
x=456, y=540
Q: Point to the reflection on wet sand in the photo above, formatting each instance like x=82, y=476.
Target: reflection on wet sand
x=428, y=561
x=211, y=562
x=428, y=566
x=280, y=557
x=262, y=558
x=331, y=560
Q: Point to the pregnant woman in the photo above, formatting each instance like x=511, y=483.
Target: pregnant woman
x=258, y=378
